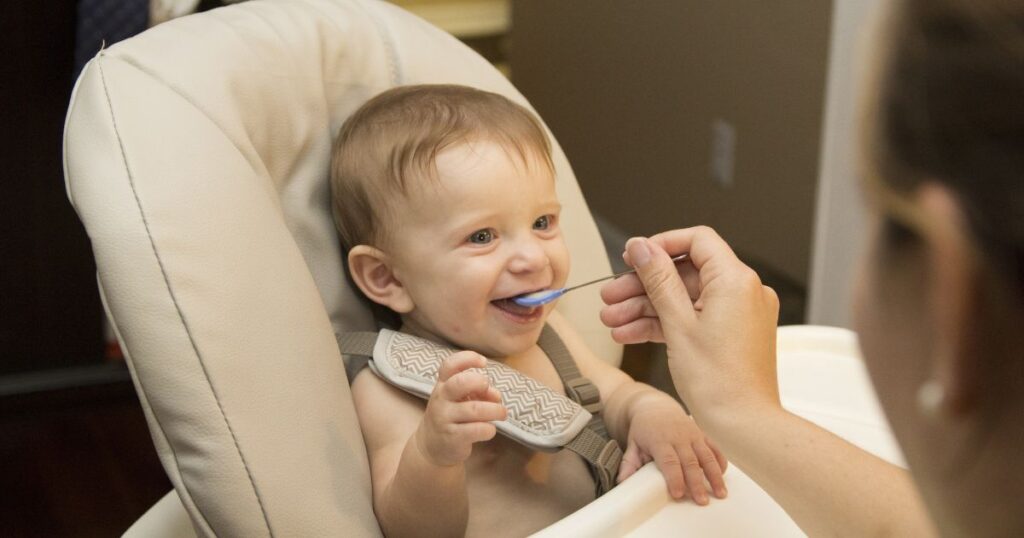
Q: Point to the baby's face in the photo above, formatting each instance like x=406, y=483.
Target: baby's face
x=488, y=230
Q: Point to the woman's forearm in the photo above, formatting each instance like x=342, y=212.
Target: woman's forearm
x=423, y=499
x=827, y=485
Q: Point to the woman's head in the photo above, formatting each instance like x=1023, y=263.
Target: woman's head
x=941, y=304
x=950, y=110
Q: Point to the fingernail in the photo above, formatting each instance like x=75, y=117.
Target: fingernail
x=639, y=251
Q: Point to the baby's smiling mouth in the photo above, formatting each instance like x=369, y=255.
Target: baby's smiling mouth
x=509, y=306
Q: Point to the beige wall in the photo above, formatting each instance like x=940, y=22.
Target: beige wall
x=631, y=90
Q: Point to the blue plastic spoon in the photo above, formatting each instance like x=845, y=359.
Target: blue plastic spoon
x=544, y=297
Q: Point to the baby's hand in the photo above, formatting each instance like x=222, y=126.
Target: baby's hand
x=459, y=411
x=661, y=430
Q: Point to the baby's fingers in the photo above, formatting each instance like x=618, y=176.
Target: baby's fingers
x=468, y=386
x=631, y=462
x=459, y=362
x=723, y=463
x=476, y=432
x=477, y=411
x=667, y=460
x=712, y=470
x=694, y=475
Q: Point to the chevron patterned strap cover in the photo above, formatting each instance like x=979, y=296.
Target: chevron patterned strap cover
x=538, y=417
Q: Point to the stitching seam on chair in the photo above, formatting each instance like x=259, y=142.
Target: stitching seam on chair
x=144, y=400
x=394, y=67
x=185, y=97
x=174, y=299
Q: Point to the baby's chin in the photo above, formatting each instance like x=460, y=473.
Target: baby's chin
x=494, y=346
x=493, y=343
x=504, y=345
x=497, y=346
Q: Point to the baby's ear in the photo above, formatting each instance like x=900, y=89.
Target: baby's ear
x=371, y=270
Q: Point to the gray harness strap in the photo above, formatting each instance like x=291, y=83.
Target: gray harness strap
x=594, y=444
x=602, y=454
x=358, y=348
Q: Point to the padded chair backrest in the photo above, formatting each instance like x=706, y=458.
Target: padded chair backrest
x=196, y=155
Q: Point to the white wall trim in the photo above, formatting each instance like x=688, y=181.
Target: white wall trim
x=840, y=222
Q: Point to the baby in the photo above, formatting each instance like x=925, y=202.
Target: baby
x=444, y=197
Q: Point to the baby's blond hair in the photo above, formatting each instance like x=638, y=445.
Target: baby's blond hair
x=396, y=137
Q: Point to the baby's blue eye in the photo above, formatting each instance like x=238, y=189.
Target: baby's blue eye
x=542, y=223
x=481, y=237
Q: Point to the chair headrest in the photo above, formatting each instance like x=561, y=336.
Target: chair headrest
x=196, y=155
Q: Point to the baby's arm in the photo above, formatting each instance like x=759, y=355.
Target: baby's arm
x=416, y=457
x=618, y=390
x=650, y=424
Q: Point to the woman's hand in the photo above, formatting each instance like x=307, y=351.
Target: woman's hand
x=713, y=313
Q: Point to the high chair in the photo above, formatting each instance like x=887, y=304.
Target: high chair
x=196, y=155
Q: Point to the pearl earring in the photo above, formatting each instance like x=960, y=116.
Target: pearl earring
x=931, y=397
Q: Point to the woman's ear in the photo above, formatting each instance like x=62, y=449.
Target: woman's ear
x=372, y=272
x=953, y=297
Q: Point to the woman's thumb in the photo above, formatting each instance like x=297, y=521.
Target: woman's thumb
x=661, y=281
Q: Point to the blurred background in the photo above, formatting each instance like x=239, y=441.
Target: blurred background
x=737, y=114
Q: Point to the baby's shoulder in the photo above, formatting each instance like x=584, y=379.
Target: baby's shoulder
x=385, y=412
x=370, y=391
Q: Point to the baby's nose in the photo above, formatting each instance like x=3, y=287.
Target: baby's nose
x=529, y=257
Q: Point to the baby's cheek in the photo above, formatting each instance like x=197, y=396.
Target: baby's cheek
x=454, y=324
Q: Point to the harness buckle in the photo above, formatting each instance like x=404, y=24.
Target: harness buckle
x=607, y=466
x=584, y=392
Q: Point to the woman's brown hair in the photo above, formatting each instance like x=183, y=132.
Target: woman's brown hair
x=950, y=110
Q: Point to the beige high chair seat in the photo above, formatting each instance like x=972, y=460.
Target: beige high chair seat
x=196, y=155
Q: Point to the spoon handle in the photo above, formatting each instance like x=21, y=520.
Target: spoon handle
x=677, y=259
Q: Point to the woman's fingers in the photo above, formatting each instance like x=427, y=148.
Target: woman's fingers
x=709, y=256
x=629, y=312
x=664, y=286
x=691, y=279
x=771, y=298
x=618, y=314
x=639, y=331
x=627, y=286
x=622, y=288
x=702, y=243
x=713, y=312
